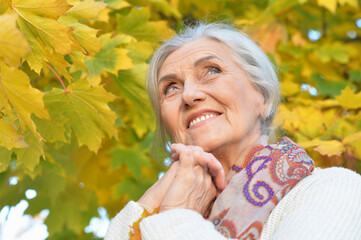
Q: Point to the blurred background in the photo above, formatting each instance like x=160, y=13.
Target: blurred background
x=76, y=124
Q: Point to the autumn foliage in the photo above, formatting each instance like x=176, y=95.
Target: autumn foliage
x=75, y=120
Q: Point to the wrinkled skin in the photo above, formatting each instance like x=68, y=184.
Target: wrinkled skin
x=201, y=79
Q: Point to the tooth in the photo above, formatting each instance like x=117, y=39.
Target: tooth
x=203, y=118
x=198, y=120
x=207, y=116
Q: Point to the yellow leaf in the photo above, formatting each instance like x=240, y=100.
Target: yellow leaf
x=329, y=4
x=86, y=9
x=348, y=99
x=109, y=59
x=328, y=148
x=352, y=3
x=48, y=30
x=35, y=58
x=48, y=8
x=352, y=138
x=84, y=35
x=13, y=45
x=289, y=87
x=103, y=15
x=117, y=4
x=59, y=63
x=9, y=137
x=15, y=90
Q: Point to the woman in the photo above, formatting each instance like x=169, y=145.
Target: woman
x=215, y=94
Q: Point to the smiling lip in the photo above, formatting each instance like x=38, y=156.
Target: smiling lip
x=200, y=116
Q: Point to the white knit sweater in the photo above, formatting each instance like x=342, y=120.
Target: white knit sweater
x=324, y=205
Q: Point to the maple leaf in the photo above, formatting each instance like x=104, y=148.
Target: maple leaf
x=332, y=4
x=86, y=9
x=29, y=157
x=13, y=45
x=110, y=59
x=121, y=155
x=10, y=137
x=45, y=8
x=87, y=110
x=48, y=30
x=137, y=25
x=5, y=157
x=348, y=99
x=84, y=36
x=352, y=138
x=117, y=4
x=22, y=97
x=328, y=147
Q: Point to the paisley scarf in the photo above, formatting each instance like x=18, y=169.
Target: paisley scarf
x=265, y=176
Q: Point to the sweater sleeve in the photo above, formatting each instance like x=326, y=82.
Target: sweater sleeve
x=328, y=208
x=178, y=224
x=120, y=225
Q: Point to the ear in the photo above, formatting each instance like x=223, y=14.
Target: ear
x=264, y=111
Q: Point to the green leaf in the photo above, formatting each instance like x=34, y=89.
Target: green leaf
x=109, y=59
x=5, y=157
x=72, y=210
x=132, y=188
x=132, y=157
x=117, y=4
x=336, y=52
x=87, y=110
x=136, y=24
x=87, y=9
x=29, y=157
x=354, y=75
x=84, y=35
x=328, y=87
x=52, y=131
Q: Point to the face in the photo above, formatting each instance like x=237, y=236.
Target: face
x=206, y=99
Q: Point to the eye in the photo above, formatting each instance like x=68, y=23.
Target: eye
x=169, y=88
x=213, y=70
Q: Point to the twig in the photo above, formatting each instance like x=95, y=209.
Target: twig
x=8, y=62
x=61, y=81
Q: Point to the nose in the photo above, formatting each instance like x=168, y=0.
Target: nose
x=192, y=94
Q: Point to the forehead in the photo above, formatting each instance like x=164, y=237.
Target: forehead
x=188, y=54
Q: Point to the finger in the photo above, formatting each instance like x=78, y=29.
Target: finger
x=175, y=157
x=204, y=159
x=214, y=167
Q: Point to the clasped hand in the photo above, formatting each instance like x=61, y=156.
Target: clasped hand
x=191, y=182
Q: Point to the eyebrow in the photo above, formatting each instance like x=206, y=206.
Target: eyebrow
x=168, y=76
x=195, y=64
x=203, y=59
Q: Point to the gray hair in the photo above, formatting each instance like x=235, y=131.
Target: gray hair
x=246, y=54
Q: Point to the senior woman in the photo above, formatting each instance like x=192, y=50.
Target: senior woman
x=215, y=94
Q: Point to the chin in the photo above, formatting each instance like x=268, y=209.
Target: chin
x=207, y=144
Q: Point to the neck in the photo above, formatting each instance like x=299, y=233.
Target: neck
x=232, y=154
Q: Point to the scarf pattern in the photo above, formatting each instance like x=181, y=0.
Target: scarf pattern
x=266, y=175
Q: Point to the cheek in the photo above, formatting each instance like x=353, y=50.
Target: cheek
x=170, y=116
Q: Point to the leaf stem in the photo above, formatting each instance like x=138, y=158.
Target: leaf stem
x=8, y=62
x=59, y=78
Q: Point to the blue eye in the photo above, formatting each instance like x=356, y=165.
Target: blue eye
x=170, y=88
x=213, y=70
